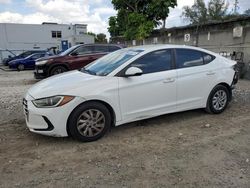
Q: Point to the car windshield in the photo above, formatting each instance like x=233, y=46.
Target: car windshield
x=110, y=62
x=66, y=52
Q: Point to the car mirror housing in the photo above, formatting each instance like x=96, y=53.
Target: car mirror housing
x=133, y=71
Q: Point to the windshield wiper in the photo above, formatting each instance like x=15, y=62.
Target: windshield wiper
x=88, y=71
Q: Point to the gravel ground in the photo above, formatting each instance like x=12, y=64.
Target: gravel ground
x=188, y=149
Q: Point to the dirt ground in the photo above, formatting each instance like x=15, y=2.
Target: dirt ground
x=188, y=149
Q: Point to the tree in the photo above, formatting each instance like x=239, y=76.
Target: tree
x=138, y=27
x=247, y=12
x=159, y=10
x=101, y=38
x=113, y=26
x=137, y=18
x=196, y=13
x=200, y=14
x=217, y=10
x=91, y=33
x=117, y=24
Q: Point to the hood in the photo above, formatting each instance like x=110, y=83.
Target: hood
x=16, y=61
x=49, y=57
x=64, y=84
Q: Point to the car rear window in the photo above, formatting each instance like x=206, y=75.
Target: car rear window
x=189, y=58
x=101, y=49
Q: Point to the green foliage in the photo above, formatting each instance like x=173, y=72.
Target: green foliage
x=137, y=18
x=138, y=27
x=159, y=10
x=217, y=9
x=101, y=38
x=247, y=12
x=199, y=13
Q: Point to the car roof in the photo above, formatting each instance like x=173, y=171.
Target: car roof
x=99, y=44
x=154, y=47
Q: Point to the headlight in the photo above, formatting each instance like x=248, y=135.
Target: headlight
x=41, y=62
x=51, y=102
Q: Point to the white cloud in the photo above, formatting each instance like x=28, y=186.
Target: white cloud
x=5, y=1
x=174, y=18
x=105, y=11
x=63, y=11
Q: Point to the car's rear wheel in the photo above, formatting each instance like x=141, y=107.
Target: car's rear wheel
x=20, y=67
x=89, y=122
x=57, y=70
x=218, y=100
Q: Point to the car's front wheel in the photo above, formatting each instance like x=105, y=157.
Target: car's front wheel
x=89, y=122
x=57, y=70
x=20, y=67
x=218, y=100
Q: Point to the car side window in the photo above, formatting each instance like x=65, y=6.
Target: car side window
x=36, y=56
x=113, y=48
x=207, y=58
x=101, y=49
x=157, y=61
x=188, y=58
x=84, y=50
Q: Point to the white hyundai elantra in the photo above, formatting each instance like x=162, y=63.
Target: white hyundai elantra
x=129, y=85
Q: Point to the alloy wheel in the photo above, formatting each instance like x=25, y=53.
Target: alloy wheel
x=91, y=123
x=219, y=100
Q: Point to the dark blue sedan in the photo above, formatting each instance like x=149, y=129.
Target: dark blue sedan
x=28, y=62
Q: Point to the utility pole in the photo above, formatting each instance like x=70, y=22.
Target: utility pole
x=236, y=7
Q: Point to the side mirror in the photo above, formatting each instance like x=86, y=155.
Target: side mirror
x=133, y=71
x=74, y=54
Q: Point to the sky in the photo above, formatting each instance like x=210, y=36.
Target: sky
x=95, y=13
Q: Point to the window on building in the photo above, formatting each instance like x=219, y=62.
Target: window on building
x=56, y=34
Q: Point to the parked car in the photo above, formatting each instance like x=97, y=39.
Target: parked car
x=128, y=85
x=22, y=56
x=74, y=58
x=28, y=62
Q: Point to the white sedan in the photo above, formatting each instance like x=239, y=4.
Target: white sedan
x=129, y=85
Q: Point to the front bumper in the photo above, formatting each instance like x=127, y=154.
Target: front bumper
x=48, y=121
x=41, y=72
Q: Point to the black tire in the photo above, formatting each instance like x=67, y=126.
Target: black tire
x=73, y=122
x=57, y=70
x=20, y=67
x=213, y=95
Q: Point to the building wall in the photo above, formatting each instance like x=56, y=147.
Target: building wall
x=216, y=38
x=33, y=36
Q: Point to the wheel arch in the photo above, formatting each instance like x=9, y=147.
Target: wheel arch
x=228, y=88
x=107, y=105
x=65, y=65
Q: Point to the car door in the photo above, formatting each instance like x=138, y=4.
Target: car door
x=30, y=62
x=154, y=92
x=195, y=77
x=81, y=57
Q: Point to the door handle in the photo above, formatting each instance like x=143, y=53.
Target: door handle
x=168, y=80
x=210, y=73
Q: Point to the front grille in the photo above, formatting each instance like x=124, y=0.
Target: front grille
x=25, y=108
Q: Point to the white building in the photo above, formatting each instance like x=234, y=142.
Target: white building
x=17, y=37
